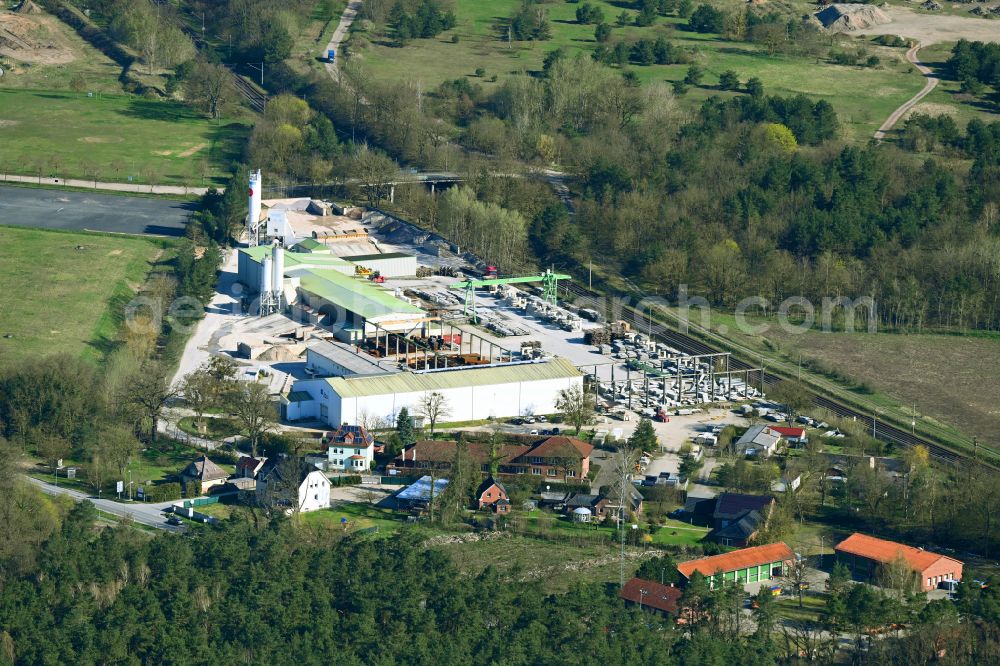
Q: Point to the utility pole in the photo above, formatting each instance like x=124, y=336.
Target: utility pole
x=260, y=68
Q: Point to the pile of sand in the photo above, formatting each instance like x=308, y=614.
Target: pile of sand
x=851, y=17
x=33, y=37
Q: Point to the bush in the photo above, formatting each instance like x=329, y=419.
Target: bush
x=602, y=33
x=694, y=75
x=346, y=480
x=163, y=492
x=729, y=80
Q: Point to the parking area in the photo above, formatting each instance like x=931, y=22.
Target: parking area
x=86, y=211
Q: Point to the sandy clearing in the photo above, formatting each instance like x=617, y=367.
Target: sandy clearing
x=933, y=28
x=34, y=38
x=192, y=150
x=100, y=139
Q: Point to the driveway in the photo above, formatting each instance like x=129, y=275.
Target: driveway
x=224, y=308
x=146, y=514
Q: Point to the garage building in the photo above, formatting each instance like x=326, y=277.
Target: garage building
x=749, y=565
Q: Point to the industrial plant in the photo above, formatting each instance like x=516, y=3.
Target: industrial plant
x=354, y=314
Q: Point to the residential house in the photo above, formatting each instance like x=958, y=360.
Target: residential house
x=556, y=458
x=205, y=473
x=651, y=596
x=865, y=555
x=749, y=565
x=699, y=510
x=760, y=440
x=294, y=480
x=492, y=495
x=350, y=449
x=792, y=435
x=247, y=467
x=604, y=506
x=596, y=504
x=738, y=517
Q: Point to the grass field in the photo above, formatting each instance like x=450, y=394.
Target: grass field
x=676, y=533
x=863, y=97
x=113, y=137
x=939, y=374
x=152, y=465
x=556, y=565
x=358, y=516
x=65, y=291
x=947, y=98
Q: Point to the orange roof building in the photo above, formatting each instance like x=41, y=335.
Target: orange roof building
x=864, y=554
x=748, y=565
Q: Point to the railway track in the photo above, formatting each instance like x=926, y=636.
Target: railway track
x=253, y=97
x=690, y=345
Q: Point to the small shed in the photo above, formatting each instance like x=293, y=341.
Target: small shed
x=582, y=515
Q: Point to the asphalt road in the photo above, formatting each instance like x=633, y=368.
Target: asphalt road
x=83, y=211
x=146, y=514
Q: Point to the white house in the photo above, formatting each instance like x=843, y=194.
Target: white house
x=307, y=483
x=471, y=394
x=350, y=449
x=760, y=440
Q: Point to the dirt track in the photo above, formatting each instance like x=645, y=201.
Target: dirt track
x=911, y=55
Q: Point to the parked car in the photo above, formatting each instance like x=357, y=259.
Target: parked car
x=174, y=520
x=534, y=431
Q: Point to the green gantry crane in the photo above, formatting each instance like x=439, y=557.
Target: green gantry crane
x=549, y=280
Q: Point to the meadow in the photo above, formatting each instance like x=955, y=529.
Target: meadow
x=64, y=292
x=862, y=96
x=114, y=137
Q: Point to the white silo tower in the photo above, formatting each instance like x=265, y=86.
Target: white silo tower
x=267, y=304
x=277, y=273
x=253, y=215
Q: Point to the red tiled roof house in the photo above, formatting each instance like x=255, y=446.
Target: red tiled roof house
x=492, y=495
x=865, y=555
x=651, y=596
